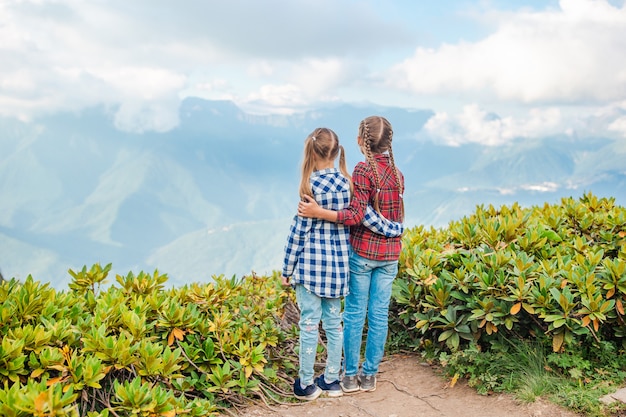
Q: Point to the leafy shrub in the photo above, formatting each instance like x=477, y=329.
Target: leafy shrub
x=507, y=298
x=140, y=349
x=556, y=270
x=549, y=279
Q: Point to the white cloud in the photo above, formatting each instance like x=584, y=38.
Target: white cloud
x=607, y=120
x=573, y=55
x=619, y=125
x=142, y=116
x=544, y=187
x=143, y=83
x=142, y=57
x=475, y=125
x=69, y=54
x=280, y=99
x=308, y=81
x=613, y=116
x=261, y=68
x=320, y=76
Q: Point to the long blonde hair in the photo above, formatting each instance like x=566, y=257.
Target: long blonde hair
x=321, y=145
x=377, y=134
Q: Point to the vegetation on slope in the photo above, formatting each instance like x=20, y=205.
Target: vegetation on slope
x=508, y=285
x=137, y=348
x=526, y=300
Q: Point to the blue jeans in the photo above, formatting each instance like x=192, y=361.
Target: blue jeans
x=370, y=292
x=313, y=309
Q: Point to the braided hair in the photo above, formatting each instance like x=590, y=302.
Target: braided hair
x=377, y=134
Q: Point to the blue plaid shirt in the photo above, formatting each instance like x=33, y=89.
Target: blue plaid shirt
x=317, y=251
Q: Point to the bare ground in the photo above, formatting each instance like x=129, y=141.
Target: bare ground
x=408, y=388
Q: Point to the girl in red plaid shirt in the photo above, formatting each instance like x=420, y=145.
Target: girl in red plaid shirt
x=317, y=261
x=374, y=257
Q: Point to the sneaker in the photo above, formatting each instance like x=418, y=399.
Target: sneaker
x=309, y=393
x=332, y=390
x=350, y=383
x=368, y=382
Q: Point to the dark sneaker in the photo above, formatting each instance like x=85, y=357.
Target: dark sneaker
x=332, y=390
x=350, y=383
x=309, y=393
x=368, y=382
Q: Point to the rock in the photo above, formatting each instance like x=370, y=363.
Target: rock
x=620, y=396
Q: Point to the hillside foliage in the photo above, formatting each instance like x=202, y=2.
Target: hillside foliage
x=138, y=349
x=509, y=284
x=556, y=270
x=552, y=276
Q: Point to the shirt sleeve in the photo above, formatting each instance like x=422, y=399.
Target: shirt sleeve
x=298, y=235
x=377, y=223
x=355, y=212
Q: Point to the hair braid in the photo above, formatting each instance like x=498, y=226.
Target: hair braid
x=367, y=141
x=396, y=174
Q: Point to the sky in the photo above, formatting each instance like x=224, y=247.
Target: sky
x=490, y=70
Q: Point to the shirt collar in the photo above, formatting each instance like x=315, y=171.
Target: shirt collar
x=324, y=171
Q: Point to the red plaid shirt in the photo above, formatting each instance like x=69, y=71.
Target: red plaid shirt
x=366, y=243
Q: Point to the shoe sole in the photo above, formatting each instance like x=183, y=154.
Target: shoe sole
x=309, y=397
x=332, y=393
x=349, y=390
x=367, y=387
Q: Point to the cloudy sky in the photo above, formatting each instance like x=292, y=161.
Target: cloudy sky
x=492, y=70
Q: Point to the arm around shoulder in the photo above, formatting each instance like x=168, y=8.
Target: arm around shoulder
x=377, y=223
x=308, y=207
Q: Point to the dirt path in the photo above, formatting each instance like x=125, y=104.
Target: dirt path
x=407, y=388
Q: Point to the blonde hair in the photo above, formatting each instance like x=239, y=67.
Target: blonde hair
x=321, y=145
x=377, y=134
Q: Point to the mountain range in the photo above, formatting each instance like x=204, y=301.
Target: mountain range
x=216, y=195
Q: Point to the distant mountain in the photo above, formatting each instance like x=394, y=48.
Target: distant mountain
x=216, y=194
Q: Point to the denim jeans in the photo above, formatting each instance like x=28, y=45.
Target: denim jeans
x=370, y=292
x=313, y=309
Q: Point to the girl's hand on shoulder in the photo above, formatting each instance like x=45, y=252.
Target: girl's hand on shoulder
x=307, y=207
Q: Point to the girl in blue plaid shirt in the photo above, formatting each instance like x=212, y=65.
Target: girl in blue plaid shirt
x=374, y=258
x=317, y=261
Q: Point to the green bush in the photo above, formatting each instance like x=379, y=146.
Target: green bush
x=512, y=299
x=140, y=349
x=556, y=270
x=550, y=277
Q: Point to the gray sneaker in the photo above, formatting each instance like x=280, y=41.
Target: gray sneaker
x=350, y=383
x=368, y=382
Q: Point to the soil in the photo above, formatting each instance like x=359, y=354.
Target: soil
x=408, y=388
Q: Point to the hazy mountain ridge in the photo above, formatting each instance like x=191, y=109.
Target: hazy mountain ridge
x=216, y=194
